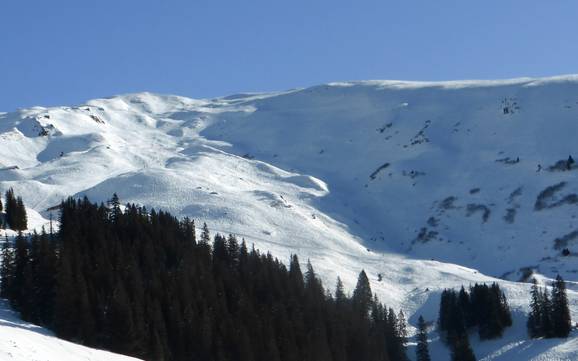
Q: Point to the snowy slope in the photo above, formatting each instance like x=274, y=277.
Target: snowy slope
x=21, y=341
x=431, y=185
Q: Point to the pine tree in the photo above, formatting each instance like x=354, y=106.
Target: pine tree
x=491, y=314
x=561, y=321
x=312, y=283
x=340, y=296
x=546, y=314
x=445, y=311
x=295, y=274
x=534, y=324
x=220, y=254
x=402, y=328
x=45, y=279
x=16, y=217
x=7, y=271
x=205, y=235
x=396, y=346
x=466, y=305
x=21, y=259
x=21, y=221
x=11, y=208
x=451, y=320
x=114, y=204
x=422, y=349
x=504, y=309
x=233, y=250
x=362, y=295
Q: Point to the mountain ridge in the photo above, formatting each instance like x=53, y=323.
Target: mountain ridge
x=393, y=177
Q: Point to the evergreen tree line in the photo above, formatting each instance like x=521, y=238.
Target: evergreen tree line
x=549, y=315
x=15, y=217
x=141, y=283
x=483, y=307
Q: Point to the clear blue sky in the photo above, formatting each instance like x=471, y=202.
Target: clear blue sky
x=56, y=52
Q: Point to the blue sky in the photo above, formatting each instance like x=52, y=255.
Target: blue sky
x=65, y=52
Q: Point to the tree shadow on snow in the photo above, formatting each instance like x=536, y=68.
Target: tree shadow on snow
x=11, y=318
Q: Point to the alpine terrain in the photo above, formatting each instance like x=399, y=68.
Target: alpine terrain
x=424, y=185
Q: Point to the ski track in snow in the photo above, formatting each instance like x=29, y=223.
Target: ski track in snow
x=431, y=185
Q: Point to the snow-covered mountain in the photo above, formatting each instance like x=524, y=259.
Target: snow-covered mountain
x=423, y=185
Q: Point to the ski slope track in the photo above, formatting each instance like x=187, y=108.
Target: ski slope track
x=430, y=185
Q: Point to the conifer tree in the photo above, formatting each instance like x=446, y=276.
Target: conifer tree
x=295, y=274
x=11, y=208
x=205, y=246
x=422, y=349
x=45, y=280
x=466, y=305
x=233, y=250
x=451, y=319
x=312, y=283
x=114, y=204
x=546, y=314
x=402, y=327
x=396, y=349
x=505, y=315
x=534, y=323
x=21, y=218
x=561, y=321
x=549, y=316
x=445, y=311
x=7, y=271
x=490, y=313
x=205, y=235
x=340, y=296
x=21, y=258
x=220, y=253
x=16, y=217
x=362, y=295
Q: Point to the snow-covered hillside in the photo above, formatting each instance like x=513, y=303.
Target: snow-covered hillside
x=430, y=185
x=21, y=341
